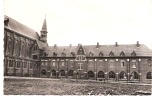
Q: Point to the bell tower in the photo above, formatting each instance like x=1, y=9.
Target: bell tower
x=44, y=32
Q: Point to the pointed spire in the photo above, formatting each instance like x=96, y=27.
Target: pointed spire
x=44, y=27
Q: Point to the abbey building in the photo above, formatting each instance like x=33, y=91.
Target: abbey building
x=26, y=54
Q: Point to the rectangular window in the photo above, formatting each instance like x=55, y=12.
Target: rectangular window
x=62, y=63
x=133, y=64
x=71, y=63
x=10, y=63
x=122, y=63
x=111, y=63
x=90, y=63
x=34, y=56
x=100, y=63
x=31, y=65
x=53, y=64
x=17, y=64
x=46, y=63
x=42, y=63
x=24, y=64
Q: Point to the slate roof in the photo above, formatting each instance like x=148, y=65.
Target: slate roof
x=20, y=28
x=143, y=50
x=24, y=30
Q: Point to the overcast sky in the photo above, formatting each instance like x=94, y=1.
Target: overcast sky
x=87, y=21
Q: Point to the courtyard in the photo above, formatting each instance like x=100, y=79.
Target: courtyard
x=48, y=86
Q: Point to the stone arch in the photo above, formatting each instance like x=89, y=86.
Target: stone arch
x=123, y=75
x=134, y=75
x=112, y=74
x=43, y=72
x=90, y=74
x=62, y=72
x=53, y=73
x=70, y=73
x=101, y=74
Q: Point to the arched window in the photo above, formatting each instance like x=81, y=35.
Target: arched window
x=91, y=54
x=122, y=75
x=9, y=45
x=70, y=73
x=149, y=75
x=111, y=74
x=122, y=54
x=100, y=54
x=62, y=72
x=90, y=74
x=111, y=54
x=133, y=54
x=43, y=72
x=53, y=73
x=23, y=49
x=16, y=47
x=134, y=75
x=101, y=74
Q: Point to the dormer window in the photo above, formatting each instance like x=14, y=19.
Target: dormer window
x=54, y=54
x=100, y=54
x=6, y=20
x=122, y=54
x=45, y=54
x=133, y=54
x=72, y=54
x=63, y=54
x=111, y=54
x=91, y=54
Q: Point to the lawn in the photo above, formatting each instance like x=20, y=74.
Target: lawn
x=28, y=86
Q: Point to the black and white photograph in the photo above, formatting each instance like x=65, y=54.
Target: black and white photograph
x=77, y=47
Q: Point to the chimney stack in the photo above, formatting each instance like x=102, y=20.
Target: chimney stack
x=55, y=45
x=138, y=44
x=97, y=44
x=116, y=44
x=70, y=45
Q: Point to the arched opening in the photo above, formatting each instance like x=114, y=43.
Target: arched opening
x=134, y=75
x=62, y=72
x=122, y=75
x=53, y=73
x=149, y=75
x=90, y=74
x=111, y=74
x=70, y=73
x=101, y=74
x=43, y=72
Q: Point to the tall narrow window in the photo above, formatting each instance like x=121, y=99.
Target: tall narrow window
x=122, y=63
x=133, y=63
x=62, y=63
x=100, y=63
x=111, y=63
x=53, y=64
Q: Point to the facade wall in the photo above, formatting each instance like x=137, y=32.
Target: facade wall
x=96, y=65
x=19, y=61
x=18, y=55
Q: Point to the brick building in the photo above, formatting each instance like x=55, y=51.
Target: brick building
x=27, y=54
